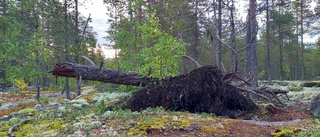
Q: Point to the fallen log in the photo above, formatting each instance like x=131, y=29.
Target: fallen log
x=201, y=90
x=67, y=69
x=11, y=133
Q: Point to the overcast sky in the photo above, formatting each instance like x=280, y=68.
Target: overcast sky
x=99, y=17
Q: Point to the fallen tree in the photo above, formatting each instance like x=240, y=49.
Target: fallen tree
x=204, y=89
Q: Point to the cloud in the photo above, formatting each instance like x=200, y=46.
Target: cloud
x=99, y=17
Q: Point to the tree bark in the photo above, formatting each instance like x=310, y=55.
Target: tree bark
x=66, y=86
x=302, y=46
x=233, y=39
x=251, y=51
x=74, y=70
x=268, y=47
x=3, y=72
x=218, y=47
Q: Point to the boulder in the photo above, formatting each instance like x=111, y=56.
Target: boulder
x=308, y=84
x=315, y=106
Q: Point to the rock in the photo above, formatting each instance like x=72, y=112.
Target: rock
x=31, y=87
x=14, y=87
x=2, y=89
x=315, y=106
x=308, y=84
x=8, y=105
x=282, y=83
x=5, y=118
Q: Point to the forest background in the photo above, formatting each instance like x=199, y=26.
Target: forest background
x=152, y=35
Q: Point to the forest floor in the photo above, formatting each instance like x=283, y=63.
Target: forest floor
x=86, y=115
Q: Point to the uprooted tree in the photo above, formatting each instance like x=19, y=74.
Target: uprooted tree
x=204, y=89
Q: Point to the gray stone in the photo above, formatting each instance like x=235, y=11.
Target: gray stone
x=308, y=84
x=31, y=87
x=2, y=89
x=315, y=106
x=14, y=87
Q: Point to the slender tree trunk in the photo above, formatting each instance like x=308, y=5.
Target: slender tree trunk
x=3, y=72
x=218, y=47
x=296, y=66
x=233, y=39
x=196, y=34
x=251, y=51
x=302, y=46
x=77, y=43
x=268, y=47
x=280, y=52
x=66, y=85
x=38, y=79
x=280, y=38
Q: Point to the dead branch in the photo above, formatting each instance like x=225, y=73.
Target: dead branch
x=89, y=60
x=10, y=132
x=193, y=60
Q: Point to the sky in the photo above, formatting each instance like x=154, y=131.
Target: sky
x=99, y=17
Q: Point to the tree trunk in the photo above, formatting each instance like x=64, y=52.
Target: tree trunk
x=280, y=52
x=66, y=85
x=302, y=46
x=233, y=39
x=38, y=79
x=218, y=47
x=251, y=51
x=3, y=74
x=268, y=47
x=103, y=75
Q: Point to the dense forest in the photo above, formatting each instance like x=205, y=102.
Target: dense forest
x=263, y=40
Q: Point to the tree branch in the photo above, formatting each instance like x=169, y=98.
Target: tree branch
x=193, y=60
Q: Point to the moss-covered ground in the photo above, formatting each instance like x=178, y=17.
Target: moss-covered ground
x=87, y=115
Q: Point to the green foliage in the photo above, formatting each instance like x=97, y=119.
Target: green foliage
x=20, y=83
x=261, y=74
x=148, y=48
x=295, y=88
x=101, y=108
x=311, y=133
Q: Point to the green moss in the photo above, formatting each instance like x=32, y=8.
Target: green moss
x=175, y=124
x=27, y=110
x=4, y=128
x=213, y=130
x=295, y=88
x=55, y=124
x=156, y=124
x=184, y=123
x=133, y=131
x=89, y=97
x=165, y=118
x=283, y=133
x=206, y=120
x=4, y=134
x=19, y=134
